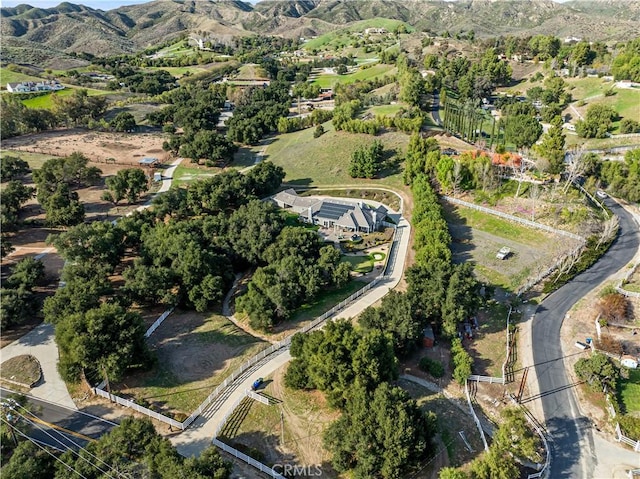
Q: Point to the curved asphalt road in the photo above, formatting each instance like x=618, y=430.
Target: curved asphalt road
x=570, y=433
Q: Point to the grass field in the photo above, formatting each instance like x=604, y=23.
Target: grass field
x=376, y=71
x=340, y=38
x=386, y=110
x=187, y=174
x=45, y=102
x=23, y=369
x=8, y=76
x=250, y=71
x=360, y=264
x=325, y=301
x=325, y=160
x=179, y=71
x=195, y=354
x=629, y=391
x=35, y=160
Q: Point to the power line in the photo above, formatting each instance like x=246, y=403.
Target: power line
x=67, y=446
x=15, y=429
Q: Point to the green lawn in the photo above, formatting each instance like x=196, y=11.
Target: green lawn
x=629, y=391
x=360, y=264
x=325, y=160
x=379, y=70
x=45, y=102
x=581, y=88
x=250, y=71
x=8, y=76
x=35, y=160
x=386, y=110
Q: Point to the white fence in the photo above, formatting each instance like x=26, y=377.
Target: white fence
x=475, y=418
x=620, y=288
x=506, y=359
x=517, y=219
x=624, y=439
x=137, y=407
x=249, y=460
x=158, y=322
x=486, y=379
x=257, y=397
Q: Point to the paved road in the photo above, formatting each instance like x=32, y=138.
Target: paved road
x=199, y=435
x=571, y=436
x=59, y=427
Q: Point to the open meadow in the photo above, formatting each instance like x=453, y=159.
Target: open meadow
x=328, y=80
x=325, y=160
x=196, y=352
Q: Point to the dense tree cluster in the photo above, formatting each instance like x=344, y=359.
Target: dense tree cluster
x=317, y=117
x=17, y=119
x=78, y=108
x=472, y=80
x=352, y=367
x=597, y=122
x=258, y=112
x=132, y=449
x=366, y=161
x=17, y=301
x=13, y=196
x=55, y=182
x=297, y=268
x=128, y=183
x=626, y=65
x=598, y=371
x=622, y=178
x=135, y=80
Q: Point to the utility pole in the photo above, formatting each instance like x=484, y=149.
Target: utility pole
x=282, y=426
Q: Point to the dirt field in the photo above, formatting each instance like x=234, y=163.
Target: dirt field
x=305, y=416
x=529, y=257
x=195, y=353
x=126, y=148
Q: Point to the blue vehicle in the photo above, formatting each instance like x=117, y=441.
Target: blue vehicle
x=256, y=384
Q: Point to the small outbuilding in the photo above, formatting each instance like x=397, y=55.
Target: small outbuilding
x=149, y=161
x=428, y=338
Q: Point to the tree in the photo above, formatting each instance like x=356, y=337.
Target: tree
x=598, y=371
x=124, y=121
x=27, y=273
x=627, y=125
x=462, y=361
x=11, y=199
x=29, y=461
x=12, y=168
x=209, y=145
x=63, y=207
x=71, y=171
x=522, y=130
x=129, y=183
x=365, y=439
x=99, y=242
x=395, y=317
x=551, y=147
x=365, y=161
x=107, y=339
x=264, y=179
x=598, y=121
x=318, y=132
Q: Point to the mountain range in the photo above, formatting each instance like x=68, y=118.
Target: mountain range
x=30, y=32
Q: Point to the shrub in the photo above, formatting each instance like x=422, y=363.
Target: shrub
x=319, y=131
x=435, y=368
x=613, y=307
x=630, y=426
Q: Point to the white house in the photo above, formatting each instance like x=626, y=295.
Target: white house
x=332, y=213
x=29, y=86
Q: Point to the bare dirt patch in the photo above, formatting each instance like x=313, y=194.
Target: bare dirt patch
x=126, y=148
x=257, y=428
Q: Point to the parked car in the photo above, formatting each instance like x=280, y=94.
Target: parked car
x=601, y=194
x=503, y=253
x=256, y=384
